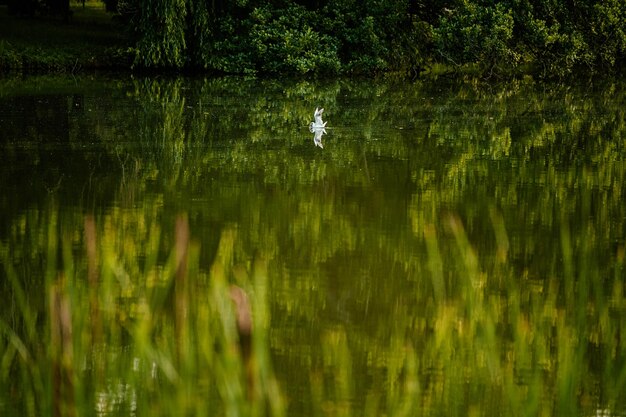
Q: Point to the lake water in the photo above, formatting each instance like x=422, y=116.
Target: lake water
x=442, y=248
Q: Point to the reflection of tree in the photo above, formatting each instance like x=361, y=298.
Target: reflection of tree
x=428, y=147
x=420, y=182
x=434, y=146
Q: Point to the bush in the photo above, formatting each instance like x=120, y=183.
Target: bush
x=9, y=58
x=230, y=50
x=365, y=32
x=284, y=41
x=475, y=34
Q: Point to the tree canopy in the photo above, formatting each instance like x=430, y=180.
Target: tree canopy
x=372, y=36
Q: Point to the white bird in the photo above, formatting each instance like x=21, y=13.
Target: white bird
x=318, y=127
x=318, y=123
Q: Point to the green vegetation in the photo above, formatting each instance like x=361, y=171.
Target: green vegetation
x=117, y=329
x=507, y=38
x=91, y=40
x=454, y=249
x=344, y=36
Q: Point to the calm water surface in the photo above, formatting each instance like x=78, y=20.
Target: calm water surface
x=441, y=249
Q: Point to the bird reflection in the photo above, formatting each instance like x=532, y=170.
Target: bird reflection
x=317, y=138
x=318, y=127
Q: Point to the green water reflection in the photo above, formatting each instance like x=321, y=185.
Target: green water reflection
x=454, y=249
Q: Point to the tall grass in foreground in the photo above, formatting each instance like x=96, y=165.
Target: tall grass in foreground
x=114, y=316
x=119, y=326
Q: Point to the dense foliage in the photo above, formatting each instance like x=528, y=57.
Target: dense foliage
x=371, y=36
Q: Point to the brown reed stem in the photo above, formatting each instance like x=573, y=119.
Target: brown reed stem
x=93, y=278
x=62, y=352
x=243, y=316
x=180, y=284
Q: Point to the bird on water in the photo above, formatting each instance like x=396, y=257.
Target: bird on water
x=318, y=123
x=318, y=127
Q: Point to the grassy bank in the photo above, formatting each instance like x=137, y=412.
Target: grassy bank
x=90, y=39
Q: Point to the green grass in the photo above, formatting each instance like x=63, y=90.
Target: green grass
x=123, y=320
x=110, y=331
x=91, y=39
